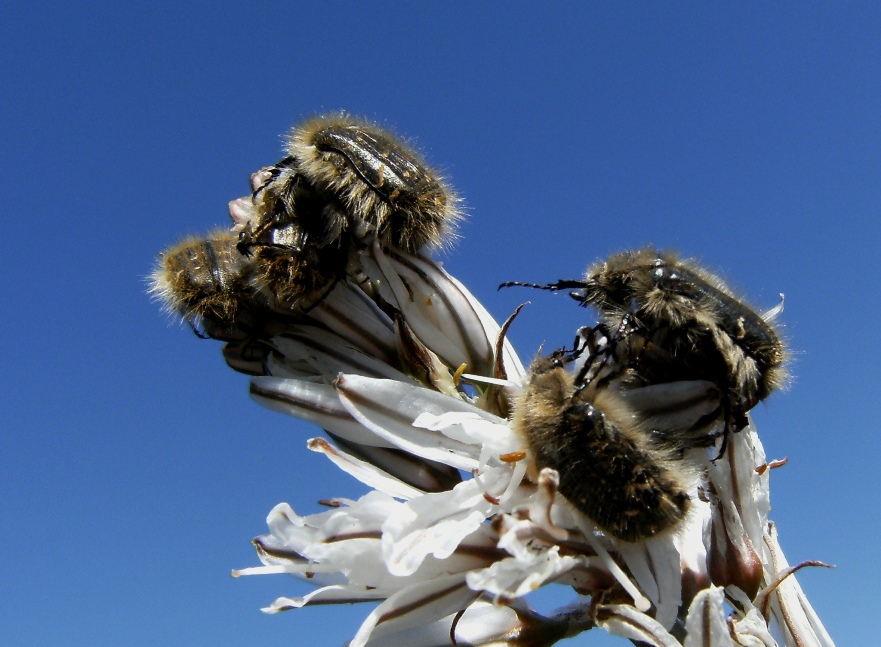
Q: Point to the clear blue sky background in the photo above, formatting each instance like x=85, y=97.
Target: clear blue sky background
x=134, y=469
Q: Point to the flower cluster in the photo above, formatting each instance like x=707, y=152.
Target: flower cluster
x=415, y=384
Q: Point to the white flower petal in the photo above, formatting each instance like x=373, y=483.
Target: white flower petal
x=749, y=627
x=692, y=549
x=797, y=619
x=316, y=403
x=388, y=409
x=655, y=565
x=324, y=595
x=640, y=601
x=354, y=316
x=426, y=476
x=419, y=604
x=514, y=577
x=673, y=405
x=433, y=524
x=363, y=471
x=511, y=361
x=481, y=624
x=706, y=625
x=433, y=306
x=474, y=427
x=745, y=454
x=309, y=352
x=623, y=620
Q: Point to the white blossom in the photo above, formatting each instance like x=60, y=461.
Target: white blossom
x=413, y=382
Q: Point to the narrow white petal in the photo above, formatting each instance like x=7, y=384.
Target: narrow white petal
x=426, y=476
x=474, y=427
x=640, y=601
x=314, y=402
x=636, y=558
x=625, y=621
x=673, y=405
x=665, y=562
x=743, y=492
x=655, y=565
x=749, y=628
x=434, y=307
x=510, y=384
x=706, y=625
x=388, y=409
x=419, y=604
x=514, y=577
x=310, y=351
x=260, y=570
x=481, y=624
x=354, y=316
x=511, y=361
x=364, y=472
x=324, y=595
x=433, y=524
x=797, y=619
x=487, y=624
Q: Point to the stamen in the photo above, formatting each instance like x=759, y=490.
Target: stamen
x=489, y=380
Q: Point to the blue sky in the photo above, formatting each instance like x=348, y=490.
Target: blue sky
x=134, y=468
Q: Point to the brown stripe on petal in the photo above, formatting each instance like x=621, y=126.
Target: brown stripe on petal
x=357, y=334
x=341, y=385
x=421, y=602
x=763, y=600
x=389, y=408
x=486, y=554
x=423, y=474
x=637, y=621
x=364, y=534
x=348, y=361
x=480, y=359
x=277, y=553
x=285, y=398
x=248, y=357
x=707, y=622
